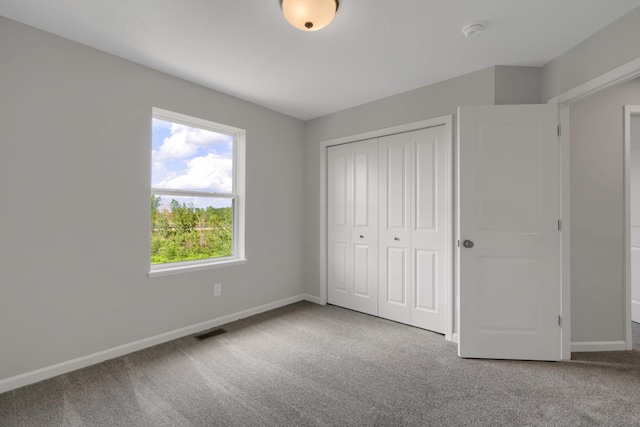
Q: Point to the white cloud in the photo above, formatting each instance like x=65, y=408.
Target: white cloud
x=185, y=141
x=211, y=172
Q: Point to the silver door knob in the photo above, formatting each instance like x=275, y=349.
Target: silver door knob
x=467, y=244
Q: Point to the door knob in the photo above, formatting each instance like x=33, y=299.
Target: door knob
x=467, y=244
x=397, y=239
x=361, y=236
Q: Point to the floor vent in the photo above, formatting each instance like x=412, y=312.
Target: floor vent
x=209, y=334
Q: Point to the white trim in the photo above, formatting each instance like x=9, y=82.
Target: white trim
x=456, y=226
x=159, y=270
x=449, y=311
x=584, y=346
x=407, y=127
x=629, y=110
x=186, y=120
x=323, y=222
x=565, y=233
x=239, y=203
x=622, y=74
x=312, y=298
x=190, y=193
x=446, y=121
x=91, y=359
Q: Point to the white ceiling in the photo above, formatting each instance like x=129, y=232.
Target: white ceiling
x=373, y=48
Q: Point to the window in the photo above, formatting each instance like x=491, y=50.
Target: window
x=197, y=186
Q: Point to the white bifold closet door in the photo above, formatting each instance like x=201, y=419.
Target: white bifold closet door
x=352, y=229
x=388, y=251
x=414, y=228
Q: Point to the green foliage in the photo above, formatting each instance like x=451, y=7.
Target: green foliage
x=185, y=233
x=155, y=203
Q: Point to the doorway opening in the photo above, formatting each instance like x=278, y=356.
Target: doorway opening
x=632, y=194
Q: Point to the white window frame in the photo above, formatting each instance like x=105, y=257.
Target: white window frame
x=237, y=196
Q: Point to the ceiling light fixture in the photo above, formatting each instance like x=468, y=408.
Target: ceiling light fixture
x=309, y=15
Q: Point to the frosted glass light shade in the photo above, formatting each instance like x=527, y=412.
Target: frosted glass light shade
x=309, y=15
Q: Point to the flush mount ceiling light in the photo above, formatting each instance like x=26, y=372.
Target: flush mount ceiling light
x=309, y=15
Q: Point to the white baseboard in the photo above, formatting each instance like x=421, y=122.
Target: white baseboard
x=583, y=346
x=91, y=359
x=312, y=298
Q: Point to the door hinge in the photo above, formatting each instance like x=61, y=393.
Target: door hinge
x=559, y=225
x=559, y=320
x=558, y=130
x=458, y=243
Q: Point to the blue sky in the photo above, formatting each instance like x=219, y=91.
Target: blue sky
x=190, y=158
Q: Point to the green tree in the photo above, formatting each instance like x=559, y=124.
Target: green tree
x=155, y=203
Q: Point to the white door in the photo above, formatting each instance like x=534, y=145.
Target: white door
x=338, y=225
x=430, y=220
x=364, y=230
x=352, y=226
x=395, y=227
x=635, y=217
x=509, y=255
x=414, y=227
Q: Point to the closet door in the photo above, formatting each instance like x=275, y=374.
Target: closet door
x=395, y=228
x=352, y=229
x=338, y=225
x=430, y=219
x=364, y=230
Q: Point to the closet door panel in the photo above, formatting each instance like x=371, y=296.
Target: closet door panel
x=429, y=228
x=364, y=231
x=426, y=279
x=394, y=235
x=361, y=266
x=338, y=226
x=425, y=176
x=396, y=264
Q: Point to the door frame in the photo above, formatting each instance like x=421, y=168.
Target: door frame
x=629, y=110
x=447, y=122
x=619, y=75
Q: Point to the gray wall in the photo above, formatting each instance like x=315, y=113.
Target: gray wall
x=597, y=228
x=611, y=47
x=517, y=85
x=74, y=182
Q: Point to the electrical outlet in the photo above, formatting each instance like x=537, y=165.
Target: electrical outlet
x=217, y=289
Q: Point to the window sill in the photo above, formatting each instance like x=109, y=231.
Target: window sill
x=167, y=271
